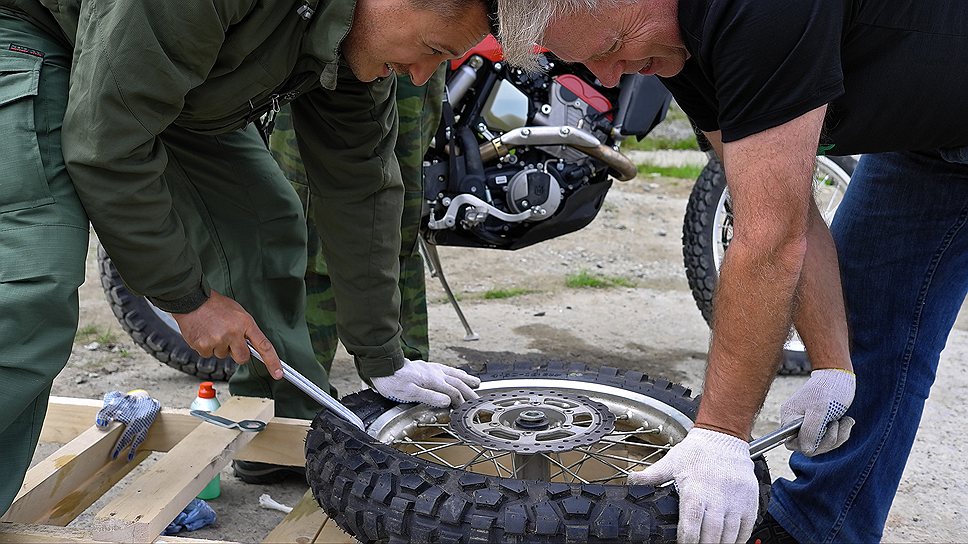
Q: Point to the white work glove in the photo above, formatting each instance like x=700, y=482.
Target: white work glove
x=428, y=383
x=822, y=403
x=718, y=491
x=136, y=409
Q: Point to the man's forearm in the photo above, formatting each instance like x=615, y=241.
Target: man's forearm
x=819, y=313
x=770, y=180
x=751, y=321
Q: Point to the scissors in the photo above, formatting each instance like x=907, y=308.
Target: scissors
x=248, y=425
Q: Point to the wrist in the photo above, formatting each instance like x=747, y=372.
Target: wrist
x=186, y=303
x=722, y=442
x=378, y=367
x=834, y=369
x=729, y=431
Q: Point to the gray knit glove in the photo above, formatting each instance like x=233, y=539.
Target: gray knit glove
x=718, y=491
x=428, y=383
x=822, y=403
x=136, y=409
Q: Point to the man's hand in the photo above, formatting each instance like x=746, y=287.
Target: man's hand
x=718, y=492
x=220, y=327
x=822, y=403
x=428, y=383
x=136, y=409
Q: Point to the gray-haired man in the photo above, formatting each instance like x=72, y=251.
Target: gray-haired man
x=771, y=82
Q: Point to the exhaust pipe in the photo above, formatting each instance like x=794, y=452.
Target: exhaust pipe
x=570, y=136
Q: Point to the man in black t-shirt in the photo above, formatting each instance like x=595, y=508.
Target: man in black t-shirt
x=771, y=82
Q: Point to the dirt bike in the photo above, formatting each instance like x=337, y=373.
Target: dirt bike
x=708, y=229
x=519, y=158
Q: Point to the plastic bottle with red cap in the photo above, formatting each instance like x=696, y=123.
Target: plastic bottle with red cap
x=207, y=401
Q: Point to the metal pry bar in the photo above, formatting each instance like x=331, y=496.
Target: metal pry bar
x=769, y=441
x=314, y=392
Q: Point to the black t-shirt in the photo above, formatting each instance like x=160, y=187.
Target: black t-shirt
x=895, y=72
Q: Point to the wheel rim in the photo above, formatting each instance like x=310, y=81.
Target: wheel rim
x=829, y=185
x=621, y=431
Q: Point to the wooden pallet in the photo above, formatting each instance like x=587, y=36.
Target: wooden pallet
x=62, y=486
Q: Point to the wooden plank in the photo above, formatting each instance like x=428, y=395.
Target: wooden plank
x=302, y=525
x=144, y=509
x=189, y=540
x=20, y=533
x=59, y=488
x=332, y=534
x=281, y=443
x=68, y=417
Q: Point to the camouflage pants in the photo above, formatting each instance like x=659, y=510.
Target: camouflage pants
x=419, y=109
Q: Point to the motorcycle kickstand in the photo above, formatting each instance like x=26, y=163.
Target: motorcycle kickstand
x=436, y=271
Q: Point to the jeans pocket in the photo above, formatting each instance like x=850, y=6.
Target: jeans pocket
x=23, y=182
x=957, y=155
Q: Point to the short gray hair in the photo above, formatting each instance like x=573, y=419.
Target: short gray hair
x=523, y=24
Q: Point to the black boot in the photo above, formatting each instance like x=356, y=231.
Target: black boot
x=252, y=472
x=769, y=531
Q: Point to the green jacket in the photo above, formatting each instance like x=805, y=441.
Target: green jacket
x=212, y=66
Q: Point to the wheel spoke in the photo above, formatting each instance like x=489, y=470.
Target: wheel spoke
x=406, y=440
x=471, y=462
x=600, y=456
x=603, y=459
x=563, y=467
x=637, y=444
x=499, y=466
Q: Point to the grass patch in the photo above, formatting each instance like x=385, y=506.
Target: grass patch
x=586, y=280
x=93, y=333
x=107, y=337
x=494, y=294
x=655, y=143
x=86, y=333
x=688, y=171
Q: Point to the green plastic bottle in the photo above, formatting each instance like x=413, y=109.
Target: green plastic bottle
x=207, y=401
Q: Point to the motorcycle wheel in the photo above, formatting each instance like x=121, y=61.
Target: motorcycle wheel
x=416, y=476
x=154, y=330
x=708, y=229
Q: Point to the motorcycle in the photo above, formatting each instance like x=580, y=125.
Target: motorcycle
x=519, y=158
x=524, y=157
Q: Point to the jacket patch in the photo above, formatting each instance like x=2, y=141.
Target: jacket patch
x=26, y=50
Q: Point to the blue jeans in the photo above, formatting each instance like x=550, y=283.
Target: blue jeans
x=902, y=240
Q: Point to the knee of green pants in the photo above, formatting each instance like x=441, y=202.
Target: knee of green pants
x=39, y=317
x=17, y=444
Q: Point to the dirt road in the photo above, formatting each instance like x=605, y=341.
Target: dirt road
x=647, y=322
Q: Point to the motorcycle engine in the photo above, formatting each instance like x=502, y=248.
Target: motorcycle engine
x=504, y=171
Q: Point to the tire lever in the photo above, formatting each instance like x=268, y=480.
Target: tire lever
x=769, y=441
x=303, y=384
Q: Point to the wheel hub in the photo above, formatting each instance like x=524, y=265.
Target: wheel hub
x=526, y=421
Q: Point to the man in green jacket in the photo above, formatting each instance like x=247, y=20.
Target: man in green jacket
x=419, y=109
x=140, y=116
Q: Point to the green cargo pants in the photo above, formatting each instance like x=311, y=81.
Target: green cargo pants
x=244, y=221
x=43, y=242
x=419, y=109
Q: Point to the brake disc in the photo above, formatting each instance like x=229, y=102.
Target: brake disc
x=527, y=421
